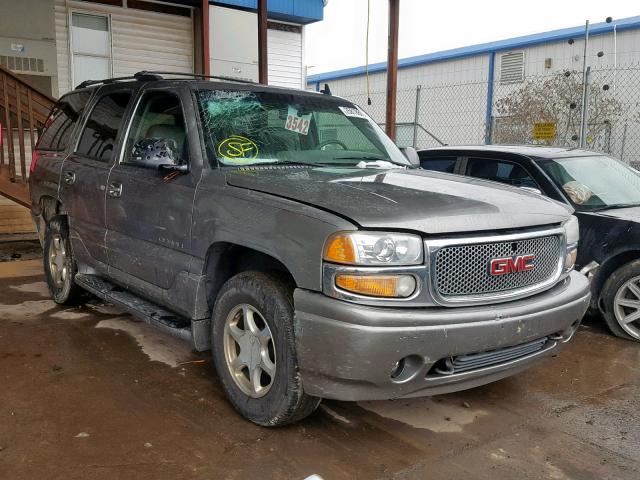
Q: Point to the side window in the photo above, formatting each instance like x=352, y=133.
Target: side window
x=99, y=135
x=439, y=164
x=500, y=171
x=158, y=120
x=64, y=116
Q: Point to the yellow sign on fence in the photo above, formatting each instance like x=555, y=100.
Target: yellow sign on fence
x=544, y=131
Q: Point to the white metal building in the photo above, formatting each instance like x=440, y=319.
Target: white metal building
x=56, y=44
x=452, y=95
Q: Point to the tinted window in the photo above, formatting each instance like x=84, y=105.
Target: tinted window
x=59, y=126
x=159, y=116
x=500, y=171
x=439, y=164
x=99, y=135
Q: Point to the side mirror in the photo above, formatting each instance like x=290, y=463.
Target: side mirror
x=158, y=153
x=412, y=156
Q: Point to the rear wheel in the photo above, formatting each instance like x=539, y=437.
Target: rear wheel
x=621, y=301
x=254, y=352
x=59, y=266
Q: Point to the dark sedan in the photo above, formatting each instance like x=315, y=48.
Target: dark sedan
x=606, y=196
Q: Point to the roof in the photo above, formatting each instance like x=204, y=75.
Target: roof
x=485, y=48
x=539, y=151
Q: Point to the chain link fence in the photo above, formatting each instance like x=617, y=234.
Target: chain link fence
x=540, y=110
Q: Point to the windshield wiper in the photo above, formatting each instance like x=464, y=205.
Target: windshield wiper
x=369, y=158
x=293, y=162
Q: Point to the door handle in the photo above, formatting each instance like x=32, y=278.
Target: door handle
x=115, y=190
x=69, y=177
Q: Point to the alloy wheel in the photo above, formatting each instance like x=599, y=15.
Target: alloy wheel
x=627, y=307
x=249, y=351
x=58, y=265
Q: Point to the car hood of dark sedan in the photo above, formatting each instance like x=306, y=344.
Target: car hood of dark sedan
x=419, y=200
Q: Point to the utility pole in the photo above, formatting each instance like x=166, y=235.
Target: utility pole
x=585, y=81
x=204, y=26
x=392, y=68
x=263, y=71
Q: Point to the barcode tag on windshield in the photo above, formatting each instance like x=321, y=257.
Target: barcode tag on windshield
x=353, y=112
x=297, y=123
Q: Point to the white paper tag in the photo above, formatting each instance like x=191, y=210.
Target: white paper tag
x=353, y=112
x=297, y=123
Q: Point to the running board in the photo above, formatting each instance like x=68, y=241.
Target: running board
x=151, y=313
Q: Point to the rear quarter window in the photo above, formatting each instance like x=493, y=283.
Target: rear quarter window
x=59, y=127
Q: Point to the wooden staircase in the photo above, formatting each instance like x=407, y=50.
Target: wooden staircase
x=23, y=112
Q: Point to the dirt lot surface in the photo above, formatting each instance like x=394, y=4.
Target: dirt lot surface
x=90, y=393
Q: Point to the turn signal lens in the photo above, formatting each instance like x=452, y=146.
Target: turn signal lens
x=570, y=259
x=340, y=250
x=389, y=286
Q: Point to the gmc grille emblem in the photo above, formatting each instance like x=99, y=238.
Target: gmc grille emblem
x=504, y=266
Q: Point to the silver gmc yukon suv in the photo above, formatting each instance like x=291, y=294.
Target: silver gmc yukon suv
x=283, y=231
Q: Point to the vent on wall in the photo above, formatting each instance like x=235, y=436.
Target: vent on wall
x=22, y=64
x=512, y=67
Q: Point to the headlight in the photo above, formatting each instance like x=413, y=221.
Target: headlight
x=374, y=248
x=571, y=230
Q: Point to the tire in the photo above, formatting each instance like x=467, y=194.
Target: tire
x=266, y=399
x=623, y=286
x=59, y=266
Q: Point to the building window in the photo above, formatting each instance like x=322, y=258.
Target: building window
x=90, y=47
x=512, y=67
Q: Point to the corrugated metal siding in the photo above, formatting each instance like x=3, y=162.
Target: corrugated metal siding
x=285, y=58
x=141, y=40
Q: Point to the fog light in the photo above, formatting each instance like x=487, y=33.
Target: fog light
x=390, y=286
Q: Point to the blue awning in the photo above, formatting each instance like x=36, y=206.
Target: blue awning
x=296, y=11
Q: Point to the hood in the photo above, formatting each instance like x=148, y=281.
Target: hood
x=629, y=214
x=419, y=200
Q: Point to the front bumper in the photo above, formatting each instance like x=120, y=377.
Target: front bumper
x=348, y=351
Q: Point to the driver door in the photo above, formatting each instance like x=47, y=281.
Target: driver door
x=148, y=209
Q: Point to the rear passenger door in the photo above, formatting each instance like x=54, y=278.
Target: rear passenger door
x=149, y=208
x=85, y=172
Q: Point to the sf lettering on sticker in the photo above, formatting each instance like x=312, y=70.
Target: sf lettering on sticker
x=297, y=123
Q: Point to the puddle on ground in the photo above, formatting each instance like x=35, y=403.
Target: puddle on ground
x=26, y=310
x=69, y=315
x=427, y=413
x=157, y=345
x=36, y=287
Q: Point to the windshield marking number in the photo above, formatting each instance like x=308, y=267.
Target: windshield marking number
x=296, y=123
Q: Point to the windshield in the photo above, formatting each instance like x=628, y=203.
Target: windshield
x=250, y=128
x=594, y=183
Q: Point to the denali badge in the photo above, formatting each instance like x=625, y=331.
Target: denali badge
x=519, y=263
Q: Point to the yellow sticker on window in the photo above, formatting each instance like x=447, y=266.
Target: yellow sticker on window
x=237, y=149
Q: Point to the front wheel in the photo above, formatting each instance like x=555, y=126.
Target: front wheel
x=620, y=301
x=254, y=352
x=59, y=266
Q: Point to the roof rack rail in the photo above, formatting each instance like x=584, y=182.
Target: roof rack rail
x=148, y=76
x=198, y=75
x=142, y=76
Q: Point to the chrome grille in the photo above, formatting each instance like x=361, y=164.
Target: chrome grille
x=463, y=270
